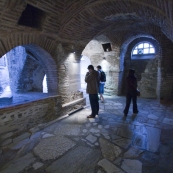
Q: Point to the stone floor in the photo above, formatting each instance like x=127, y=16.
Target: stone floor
x=75, y=144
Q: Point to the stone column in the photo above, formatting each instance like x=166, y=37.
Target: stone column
x=69, y=73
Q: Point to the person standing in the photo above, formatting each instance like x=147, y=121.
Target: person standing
x=101, y=83
x=92, y=80
x=131, y=92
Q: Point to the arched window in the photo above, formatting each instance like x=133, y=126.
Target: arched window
x=144, y=50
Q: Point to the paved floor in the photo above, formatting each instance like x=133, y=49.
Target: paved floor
x=75, y=144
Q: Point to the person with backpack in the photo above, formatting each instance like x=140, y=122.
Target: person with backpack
x=102, y=82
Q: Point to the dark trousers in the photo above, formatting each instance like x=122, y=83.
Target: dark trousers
x=128, y=101
x=94, y=104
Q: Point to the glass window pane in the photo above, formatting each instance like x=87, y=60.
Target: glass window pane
x=146, y=51
x=135, y=52
x=140, y=51
x=152, y=50
x=146, y=45
x=140, y=45
x=143, y=48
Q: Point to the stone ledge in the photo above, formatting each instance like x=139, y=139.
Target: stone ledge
x=73, y=102
x=27, y=104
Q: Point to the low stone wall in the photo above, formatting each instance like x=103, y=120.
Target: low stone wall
x=32, y=116
x=74, y=105
x=22, y=117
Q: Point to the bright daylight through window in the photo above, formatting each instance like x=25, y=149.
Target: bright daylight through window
x=143, y=48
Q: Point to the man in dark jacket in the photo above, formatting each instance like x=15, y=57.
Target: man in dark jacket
x=92, y=80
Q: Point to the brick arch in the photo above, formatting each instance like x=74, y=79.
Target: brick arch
x=93, y=13
x=48, y=64
x=124, y=48
x=41, y=47
x=125, y=45
x=22, y=38
x=88, y=5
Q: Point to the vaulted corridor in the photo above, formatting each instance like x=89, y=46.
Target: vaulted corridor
x=45, y=49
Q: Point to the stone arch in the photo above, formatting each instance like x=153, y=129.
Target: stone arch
x=128, y=46
x=39, y=46
x=22, y=38
x=48, y=64
x=125, y=45
x=155, y=15
x=109, y=60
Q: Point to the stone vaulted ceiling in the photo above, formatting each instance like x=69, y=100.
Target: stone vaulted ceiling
x=79, y=21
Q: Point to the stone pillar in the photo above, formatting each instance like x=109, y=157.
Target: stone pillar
x=69, y=75
x=166, y=71
x=63, y=79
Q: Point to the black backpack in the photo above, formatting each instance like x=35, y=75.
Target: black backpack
x=102, y=76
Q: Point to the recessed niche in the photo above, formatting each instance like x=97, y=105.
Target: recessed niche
x=107, y=47
x=32, y=17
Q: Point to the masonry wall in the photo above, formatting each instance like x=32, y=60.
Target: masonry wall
x=69, y=81
x=20, y=118
x=148, y=83
x=31, y=117
x=166, y=90
x=16, y=59
x=68, y=65
x=31, y=76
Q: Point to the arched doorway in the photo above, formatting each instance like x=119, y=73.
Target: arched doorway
x=143, y=55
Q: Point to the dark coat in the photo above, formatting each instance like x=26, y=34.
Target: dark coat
x=92, y=80
x=131, y=87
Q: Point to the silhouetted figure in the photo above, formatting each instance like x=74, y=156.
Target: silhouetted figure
x=131, y=92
